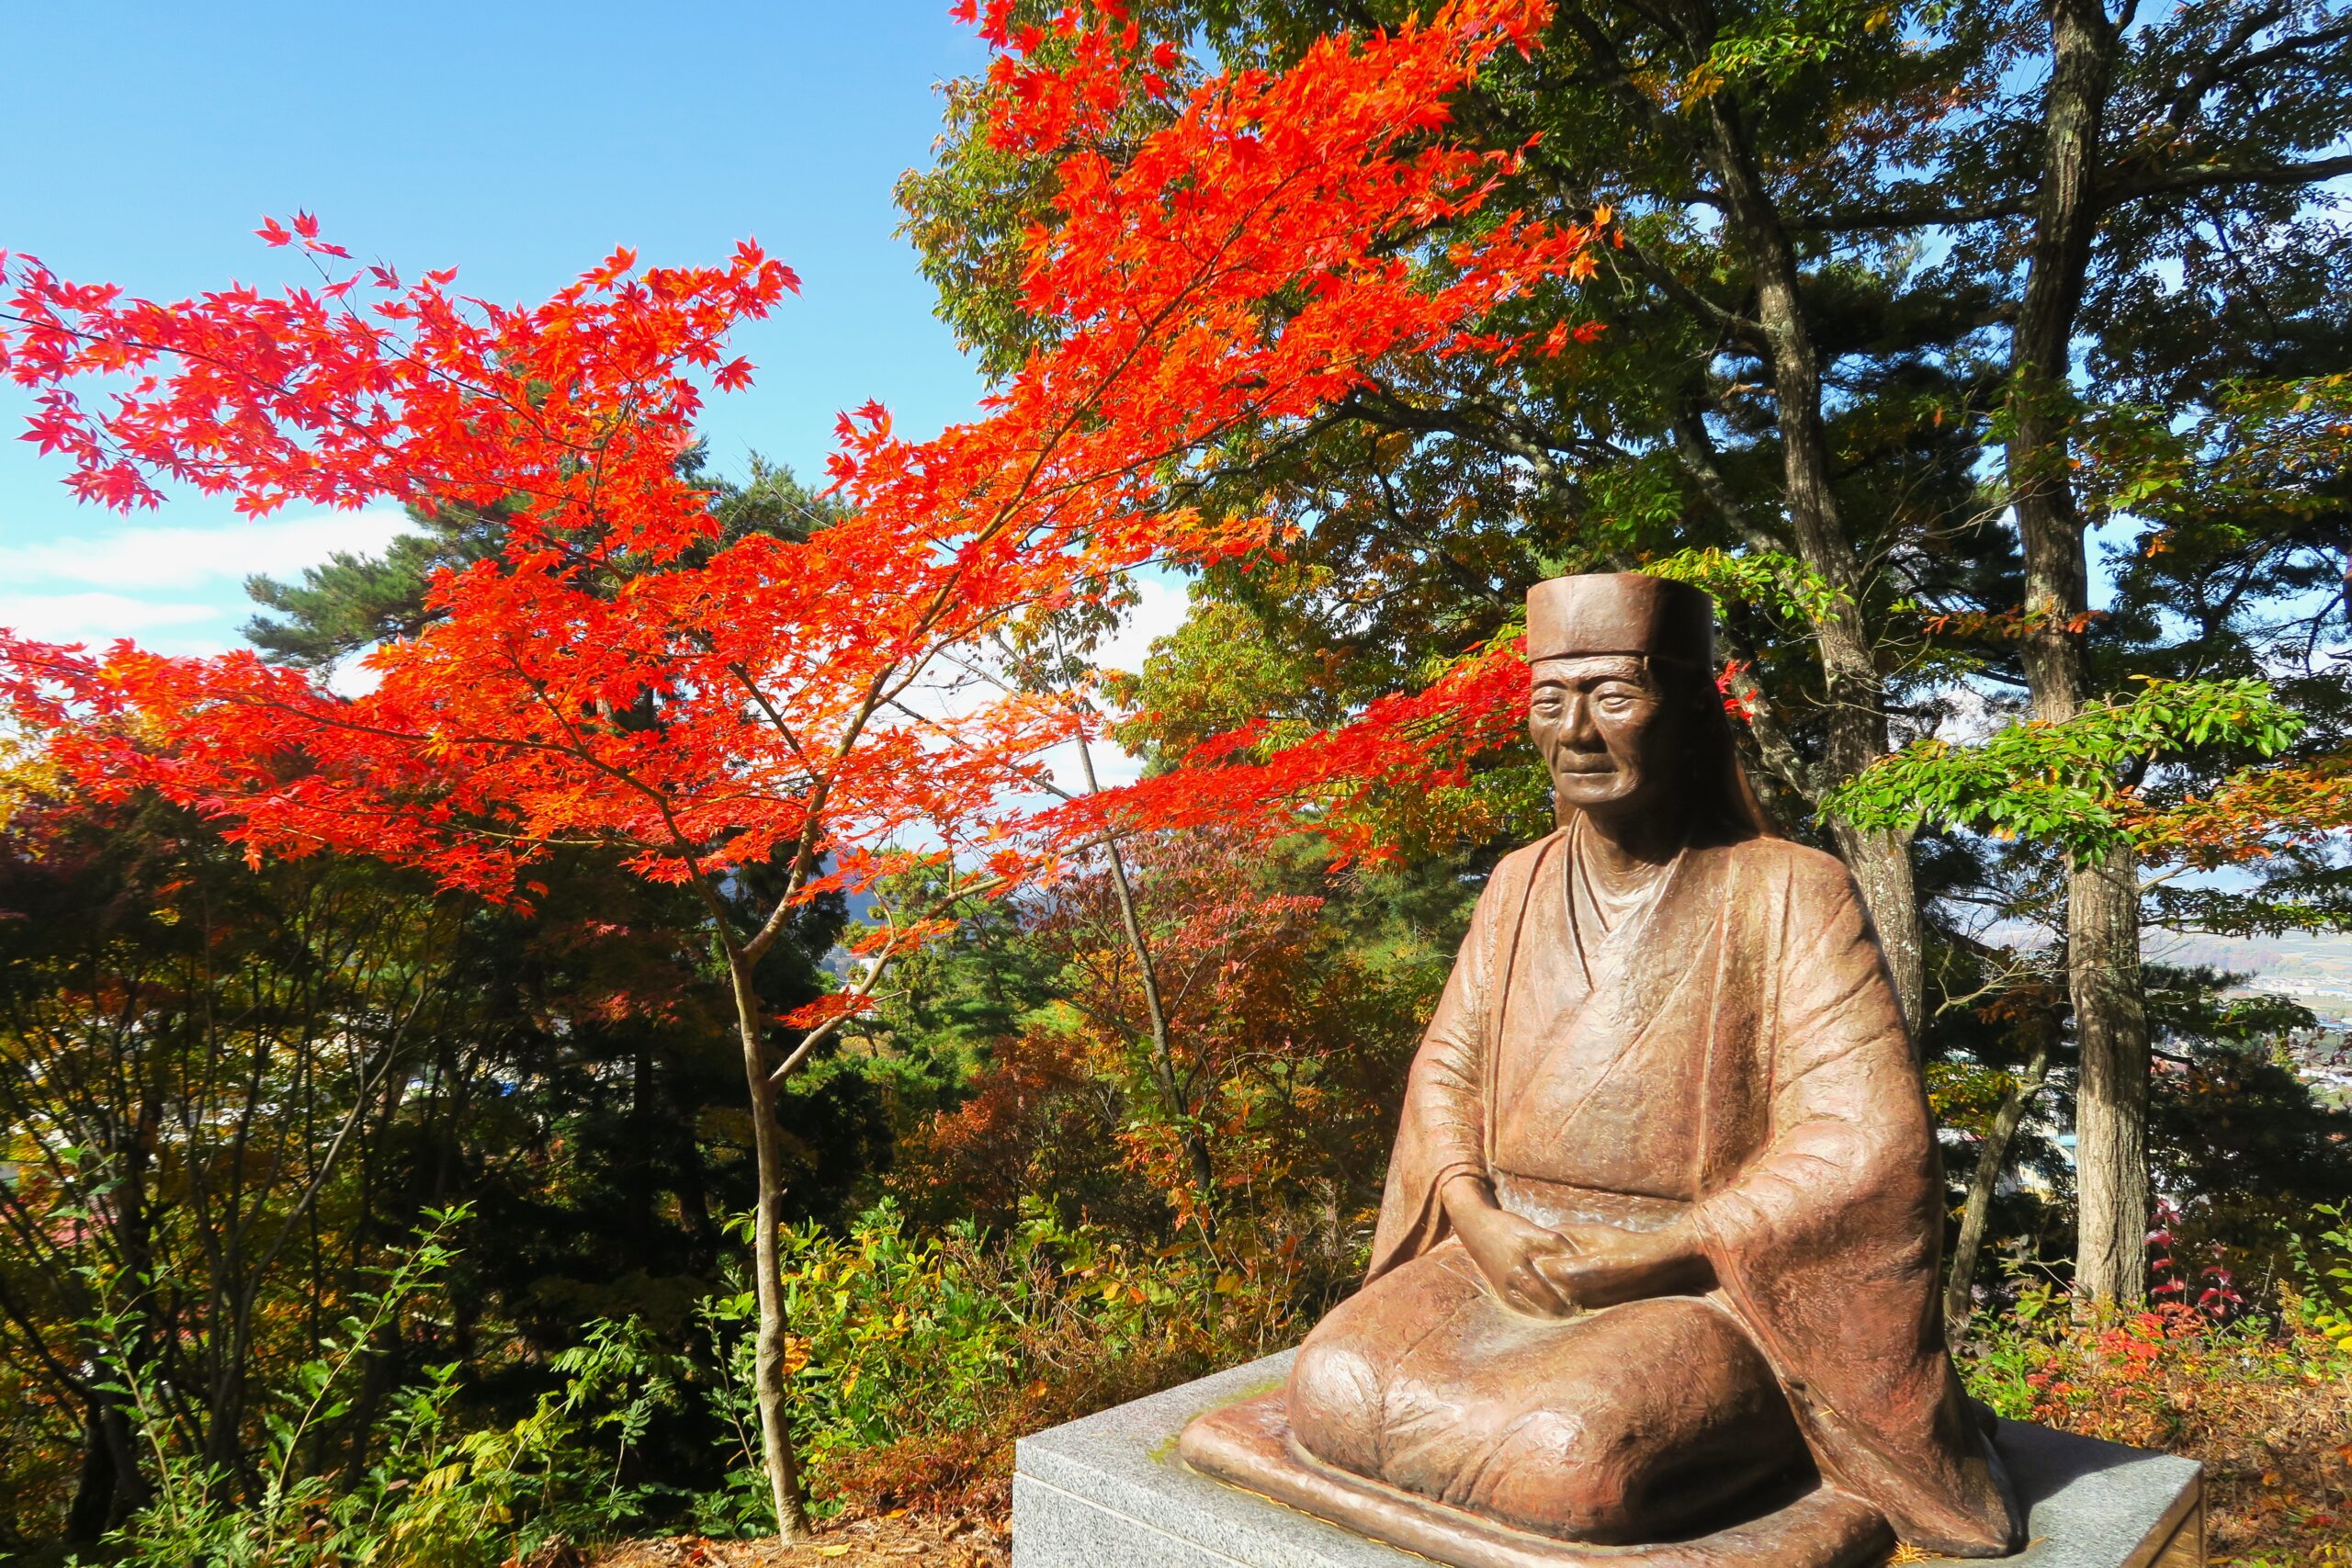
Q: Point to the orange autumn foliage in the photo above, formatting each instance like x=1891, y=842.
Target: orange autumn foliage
x=2251, y=815
x=844, y=706
x=611, y=676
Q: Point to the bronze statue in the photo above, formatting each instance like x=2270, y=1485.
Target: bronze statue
x=1656, y=1269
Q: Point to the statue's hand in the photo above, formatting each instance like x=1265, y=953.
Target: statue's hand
x=1518, y=1258
x=1601, y=1265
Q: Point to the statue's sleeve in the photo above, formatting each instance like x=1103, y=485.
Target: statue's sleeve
x=1443, y=1128
x=1827, y=1241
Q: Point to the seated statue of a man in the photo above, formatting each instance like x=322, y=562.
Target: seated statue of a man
x=1657, y=1264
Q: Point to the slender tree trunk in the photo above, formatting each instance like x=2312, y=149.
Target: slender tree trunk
x=377, y=1376
x=1856, y=722
x=704, y=1240
x=773, y=1338
x=111, y=1486
x=96, y=1490
x=133, y=1219
x=1992, y=1158
x=1856, y=726
x=2102, y=899
x=642, y=1178
x=1163, y=1052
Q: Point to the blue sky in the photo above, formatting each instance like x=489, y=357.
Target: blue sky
x=518, y=142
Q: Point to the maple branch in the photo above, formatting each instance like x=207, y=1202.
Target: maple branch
x=336, y=718
x=1025, y=491
x=811, y=1038
x=803, y=856
x=879, y=689
x=767, y=705
x=1147, y=332
x=688, y=848
x=818, y=1035
x=405, y=353
x=190, y=467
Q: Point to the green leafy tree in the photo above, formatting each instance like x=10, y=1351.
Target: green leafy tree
x=1903, y=301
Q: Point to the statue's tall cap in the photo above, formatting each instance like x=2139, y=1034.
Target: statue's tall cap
x=1620, y=611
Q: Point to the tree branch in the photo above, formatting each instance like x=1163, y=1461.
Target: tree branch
x=2160, y=182
x=2206, y=176
x=1860, y=219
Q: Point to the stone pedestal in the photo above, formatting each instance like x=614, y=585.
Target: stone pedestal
x=1111, y=1492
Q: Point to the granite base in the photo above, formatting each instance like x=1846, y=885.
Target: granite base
x=1111, y=1491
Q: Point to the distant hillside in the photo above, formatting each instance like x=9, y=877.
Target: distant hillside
x=2317, y=970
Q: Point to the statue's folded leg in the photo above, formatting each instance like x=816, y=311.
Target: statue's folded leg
x=1644, y=1422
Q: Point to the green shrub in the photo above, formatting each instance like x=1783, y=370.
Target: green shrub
x=2263, y=1398
x=917, y=1359
x=431, y=1493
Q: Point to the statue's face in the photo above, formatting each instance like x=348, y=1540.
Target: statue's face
x=1603, y=728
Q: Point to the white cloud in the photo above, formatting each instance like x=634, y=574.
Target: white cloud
x=95, y=619
x=184, y=559
x=175, y=590
x=955, y=692
x=1159, y=610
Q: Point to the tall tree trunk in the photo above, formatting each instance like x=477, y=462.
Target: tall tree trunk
x=2102, y=899
x=1855, y=721
x=773, y=1338
x=1992, y=1158
x=1857, y=731
x=2111, y=1192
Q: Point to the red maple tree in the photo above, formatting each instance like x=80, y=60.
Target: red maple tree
x=618, y=675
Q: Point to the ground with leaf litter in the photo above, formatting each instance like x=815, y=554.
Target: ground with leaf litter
x=971, y=1541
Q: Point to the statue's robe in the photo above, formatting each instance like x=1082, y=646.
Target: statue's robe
x=1733, y=1055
